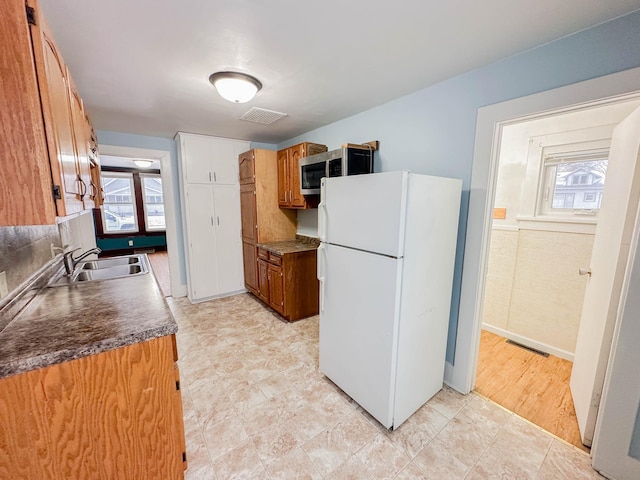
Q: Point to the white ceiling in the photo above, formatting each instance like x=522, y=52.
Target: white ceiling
x=142, y=66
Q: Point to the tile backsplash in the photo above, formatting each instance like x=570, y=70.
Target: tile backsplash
x=24, y=250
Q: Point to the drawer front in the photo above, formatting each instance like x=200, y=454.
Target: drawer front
x=275, y=258
x=262, y=253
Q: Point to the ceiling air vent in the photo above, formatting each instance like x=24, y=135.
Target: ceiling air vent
x=261, y=115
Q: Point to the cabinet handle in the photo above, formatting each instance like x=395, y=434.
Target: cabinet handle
x=209, y=176
x=212, y=221
x=218, y=218
x=84, y=189
x=214, y=177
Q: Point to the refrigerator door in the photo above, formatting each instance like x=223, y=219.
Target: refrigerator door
x=359, y=325
x=366, y=212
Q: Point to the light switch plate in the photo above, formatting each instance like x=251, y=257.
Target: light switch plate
x=4, y=288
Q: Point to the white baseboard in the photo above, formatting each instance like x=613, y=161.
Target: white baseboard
x=222, y=295
x=543, y=347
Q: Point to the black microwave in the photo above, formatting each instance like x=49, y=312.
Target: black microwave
x=347, y=160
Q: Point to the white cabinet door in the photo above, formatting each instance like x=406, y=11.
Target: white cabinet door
x=196, y=153
x=211, y=160
x=224, y=162
x=201, y=240
x=228, y=238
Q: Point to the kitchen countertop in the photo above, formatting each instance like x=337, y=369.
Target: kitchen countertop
x=69, y=322
x=299, y=244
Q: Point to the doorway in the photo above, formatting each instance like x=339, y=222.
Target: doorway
x=540, y=298
x=171, y=263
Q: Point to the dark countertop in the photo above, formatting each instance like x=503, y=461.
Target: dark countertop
x=69, y=322
x=299, y=244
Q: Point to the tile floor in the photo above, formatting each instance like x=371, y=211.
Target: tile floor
x=256, y=407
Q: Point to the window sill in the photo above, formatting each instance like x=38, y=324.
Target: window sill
x=586, y=225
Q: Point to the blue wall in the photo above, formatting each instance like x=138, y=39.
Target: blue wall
x=432, y=131
x=155, y=143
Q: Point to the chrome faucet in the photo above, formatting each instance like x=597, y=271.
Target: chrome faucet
x=70, y=262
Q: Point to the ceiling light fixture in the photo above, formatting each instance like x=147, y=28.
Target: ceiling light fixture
x=142, y=163
x=235, y=87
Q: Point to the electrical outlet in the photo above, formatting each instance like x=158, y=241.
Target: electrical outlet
x=131, y=243
x=4, y=288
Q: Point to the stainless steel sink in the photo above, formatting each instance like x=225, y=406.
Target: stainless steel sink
x=109, y=262
x=107, y=273
x=103, y=269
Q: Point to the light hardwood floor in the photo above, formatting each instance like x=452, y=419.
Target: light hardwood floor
x=528, y=384
x=160, y=265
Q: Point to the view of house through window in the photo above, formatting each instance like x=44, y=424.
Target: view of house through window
x=119, y=208
x=153, y=202
x=123, y=192
x=574, y=184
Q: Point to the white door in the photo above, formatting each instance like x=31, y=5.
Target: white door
x=358, y=325
x=225, y=161
x=203, y=265
x=366, y=212
x=608, y=262
x=616, y=450
x=197, y=158
x=228, y=238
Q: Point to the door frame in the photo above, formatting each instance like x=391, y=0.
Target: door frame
x=178, y=289
x=616, y=87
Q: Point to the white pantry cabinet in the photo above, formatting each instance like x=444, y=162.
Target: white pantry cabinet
x=210, y=194
x=206, y=159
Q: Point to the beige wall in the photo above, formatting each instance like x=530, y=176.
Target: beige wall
x=533, y=288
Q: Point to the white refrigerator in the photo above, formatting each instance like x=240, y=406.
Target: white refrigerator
x=385, y=266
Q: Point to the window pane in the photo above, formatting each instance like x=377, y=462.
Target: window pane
x=579, y=185
x=119, y=204
x=153, y=202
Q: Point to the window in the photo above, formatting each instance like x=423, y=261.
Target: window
x=572, y=183
x=153, y=202
x=119, y=208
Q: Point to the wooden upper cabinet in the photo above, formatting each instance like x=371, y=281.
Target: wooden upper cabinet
x=283, y=178
x=247, y=167
x=25, y=176
x=289, y=195
x=81, y=144
x=43, y=120
x=296, y=198
x=57, y=109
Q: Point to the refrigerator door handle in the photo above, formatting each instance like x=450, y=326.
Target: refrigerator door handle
x=322, y=214
x=320, y=274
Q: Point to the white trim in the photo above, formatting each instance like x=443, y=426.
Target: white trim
x=506, y=228
x=177, y=289
x=564, y=225
x=614, y=88
x=543, y=347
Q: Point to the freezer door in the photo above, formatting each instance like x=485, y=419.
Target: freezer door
x=366, y=212
x=359, y=325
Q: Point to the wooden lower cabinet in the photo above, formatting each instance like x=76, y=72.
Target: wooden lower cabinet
x=116, y=414
x=288, y=283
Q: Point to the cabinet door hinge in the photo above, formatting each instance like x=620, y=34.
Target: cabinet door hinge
x=184, y=457
x=178, y=385
x=31, y=15
x=57, y=195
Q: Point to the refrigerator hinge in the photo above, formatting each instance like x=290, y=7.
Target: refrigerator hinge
x=31, y=15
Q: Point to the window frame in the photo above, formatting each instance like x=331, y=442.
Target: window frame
x=548, y=175
x=133, y=203
x=148, y=227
